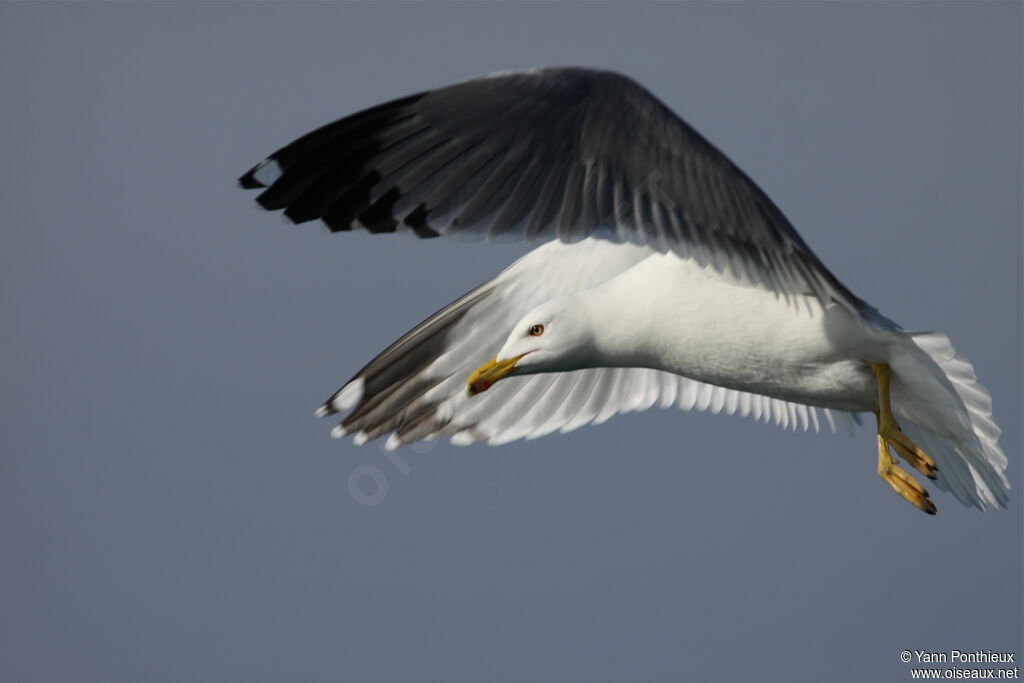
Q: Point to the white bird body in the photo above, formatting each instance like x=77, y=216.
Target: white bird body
x=666, y=313
x=666, y=277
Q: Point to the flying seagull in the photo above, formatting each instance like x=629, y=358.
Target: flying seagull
x=664, y=276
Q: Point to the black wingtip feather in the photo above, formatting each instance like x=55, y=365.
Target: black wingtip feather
x=248, y=181
x=379, y=216
x=348, y=130
x=327, y=409
x=267, y=200
x=417, y=220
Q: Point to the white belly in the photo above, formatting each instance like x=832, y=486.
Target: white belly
x=703, y=325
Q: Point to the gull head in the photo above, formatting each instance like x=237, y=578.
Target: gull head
x=554, y=337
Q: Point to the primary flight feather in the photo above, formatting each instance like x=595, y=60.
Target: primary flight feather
x=666, y=276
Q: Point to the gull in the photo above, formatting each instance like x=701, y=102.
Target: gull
x=662, y=275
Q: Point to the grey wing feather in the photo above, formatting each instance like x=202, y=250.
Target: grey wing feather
x=551, y=153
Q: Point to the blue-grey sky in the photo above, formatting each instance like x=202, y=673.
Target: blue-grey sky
x=171, y=511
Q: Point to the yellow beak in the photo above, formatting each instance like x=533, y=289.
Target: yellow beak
x=490, y=372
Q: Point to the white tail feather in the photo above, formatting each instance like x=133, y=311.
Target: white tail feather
x=944, y=409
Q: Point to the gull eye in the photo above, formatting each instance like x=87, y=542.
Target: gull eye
x=536, y=330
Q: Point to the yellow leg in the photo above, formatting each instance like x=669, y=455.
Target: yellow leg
x=890, y=436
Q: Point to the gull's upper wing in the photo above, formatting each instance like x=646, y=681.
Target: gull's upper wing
x=561, y=153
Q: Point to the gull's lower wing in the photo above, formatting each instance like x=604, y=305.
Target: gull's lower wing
x=416, y=388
